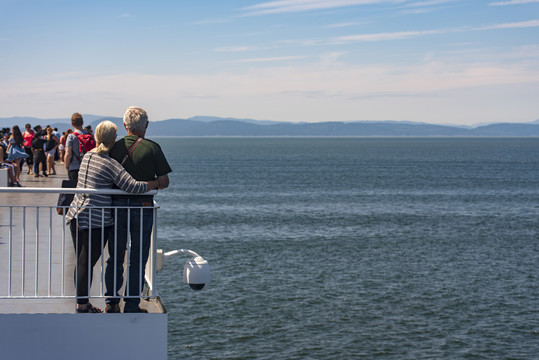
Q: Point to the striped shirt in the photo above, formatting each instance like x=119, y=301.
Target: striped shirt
x=99, y=171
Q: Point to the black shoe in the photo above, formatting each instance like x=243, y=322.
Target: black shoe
x=138, y=310
x=45, y=174
x=112, y=308
x=89, y=309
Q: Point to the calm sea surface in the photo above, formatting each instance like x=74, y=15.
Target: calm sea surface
x=348, y=248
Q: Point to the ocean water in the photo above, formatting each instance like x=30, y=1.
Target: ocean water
x=349, y=248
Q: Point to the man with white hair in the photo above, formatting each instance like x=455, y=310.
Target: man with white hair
x=145, y=161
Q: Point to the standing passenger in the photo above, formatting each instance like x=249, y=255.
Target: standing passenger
x=144, y=160
x=51, y=144
x=15, y=151
x=39, y=153
x=28, y=136
x=72, y=154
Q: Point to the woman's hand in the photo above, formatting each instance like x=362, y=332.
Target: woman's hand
x=153, y=184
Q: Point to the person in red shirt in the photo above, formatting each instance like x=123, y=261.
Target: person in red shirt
x=28, y=136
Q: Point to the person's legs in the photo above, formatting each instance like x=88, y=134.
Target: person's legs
x=36, y=165
x=116, y=246
x=80, y=243
x=17, y=169
x=50, y=164
x=29, y=159
x=88, y=245
x=11, y=173
x=43, y=161
x=40, y=158
x=140, y=247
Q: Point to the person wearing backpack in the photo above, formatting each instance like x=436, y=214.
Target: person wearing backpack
x=77, y=144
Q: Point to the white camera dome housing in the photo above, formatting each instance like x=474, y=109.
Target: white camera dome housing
x=196, y=273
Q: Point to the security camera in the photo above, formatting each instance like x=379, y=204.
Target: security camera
x=196, y=271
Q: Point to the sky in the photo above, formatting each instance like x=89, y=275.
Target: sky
x=462, y=62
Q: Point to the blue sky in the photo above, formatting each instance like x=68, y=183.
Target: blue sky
x=435, y=61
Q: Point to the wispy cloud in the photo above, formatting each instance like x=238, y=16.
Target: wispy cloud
x=232, y=49
x=342, y=25
x=280, y=92
x=288, y=6
x=402, y=35
x=521, y=24
x=211, y=21
x=429, y=3
x=512, y=2
x=423, y=7
x=268, y=59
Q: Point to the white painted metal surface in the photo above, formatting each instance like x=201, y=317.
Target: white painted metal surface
x=4, y=177
x=83, y=336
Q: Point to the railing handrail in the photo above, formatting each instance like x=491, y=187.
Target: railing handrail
x=72, y=191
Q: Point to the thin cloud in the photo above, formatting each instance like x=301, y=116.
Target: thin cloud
x=232, y=49
x=289, y=6
x=403, y=35
x=515, y=25
x=342, y=25
x=268, y=59
x=424, y=7
x=210, y=21
x=512, y=2
x=429, y=3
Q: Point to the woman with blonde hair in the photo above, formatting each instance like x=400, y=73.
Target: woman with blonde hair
x=97, y=171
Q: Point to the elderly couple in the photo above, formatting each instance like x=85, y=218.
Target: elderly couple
x=135, y=165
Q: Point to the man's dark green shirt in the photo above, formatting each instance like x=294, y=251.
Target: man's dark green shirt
x=145, y=163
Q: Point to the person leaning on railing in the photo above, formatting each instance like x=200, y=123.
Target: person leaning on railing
x=143, y=159
x=92, y=211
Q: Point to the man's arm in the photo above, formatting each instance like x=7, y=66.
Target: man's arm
x=67, y=157
x=163, y=181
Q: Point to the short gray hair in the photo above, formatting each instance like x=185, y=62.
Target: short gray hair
x=135, y=119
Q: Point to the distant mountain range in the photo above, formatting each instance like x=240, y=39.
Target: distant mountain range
x=217, y=126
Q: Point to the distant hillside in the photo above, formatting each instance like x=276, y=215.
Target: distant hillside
x=215, y=126
x=181, y=127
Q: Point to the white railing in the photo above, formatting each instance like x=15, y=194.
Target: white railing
x=37, y=255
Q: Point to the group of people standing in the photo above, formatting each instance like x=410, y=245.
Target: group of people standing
x=32, y=147
x=133, y=164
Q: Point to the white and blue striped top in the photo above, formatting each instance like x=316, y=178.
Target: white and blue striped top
x=99, y=171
